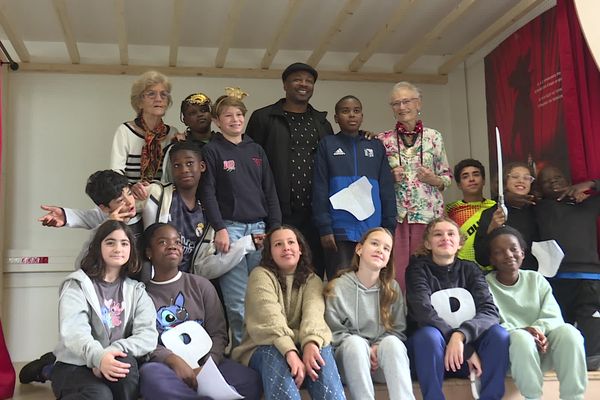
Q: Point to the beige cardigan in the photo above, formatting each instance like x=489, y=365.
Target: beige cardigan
x=268, y=322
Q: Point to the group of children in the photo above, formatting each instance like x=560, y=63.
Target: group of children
x=287, y=330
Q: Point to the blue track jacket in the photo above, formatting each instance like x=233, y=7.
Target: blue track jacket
x=341, y=160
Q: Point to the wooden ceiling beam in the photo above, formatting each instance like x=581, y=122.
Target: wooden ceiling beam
x=282, y=30
x=214, y=72
x=175, y=32
x=346, y=12
x=63, y=16
x=121, y=31
x=14, y=37
x=382, y=34
x=233, y=18
x=499, y=26
x=434, y=34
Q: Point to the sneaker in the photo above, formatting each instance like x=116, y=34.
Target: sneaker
x=32, y=371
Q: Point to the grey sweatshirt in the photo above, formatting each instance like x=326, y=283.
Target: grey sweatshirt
x=83, y=339
x=353, y=309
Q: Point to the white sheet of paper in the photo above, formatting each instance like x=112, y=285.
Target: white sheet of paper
x=218, y=264
x=212, y=384
x=549, y=256
x=199, y=345
x=356, y=199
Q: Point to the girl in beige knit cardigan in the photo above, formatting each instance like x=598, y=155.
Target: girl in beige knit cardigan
x=286, y=339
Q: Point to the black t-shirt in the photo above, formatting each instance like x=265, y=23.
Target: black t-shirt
x=304, y=140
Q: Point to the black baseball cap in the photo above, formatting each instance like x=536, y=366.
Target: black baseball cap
x=295, y=67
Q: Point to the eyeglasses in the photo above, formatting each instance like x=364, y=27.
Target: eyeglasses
x=403, y=102
x=151, y=94
x=521, y=177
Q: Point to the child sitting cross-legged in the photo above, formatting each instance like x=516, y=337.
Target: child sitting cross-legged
x=539, y=337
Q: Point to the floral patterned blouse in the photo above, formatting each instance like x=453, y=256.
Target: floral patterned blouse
x=419, y=202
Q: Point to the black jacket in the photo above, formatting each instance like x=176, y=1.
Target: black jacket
x=269, y=127
x=424, y=277
x=573, y=226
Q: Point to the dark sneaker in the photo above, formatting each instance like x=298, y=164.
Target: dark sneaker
x=32, y=372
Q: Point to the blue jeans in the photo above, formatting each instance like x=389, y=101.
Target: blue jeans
x=233, y=283
x=426, y=349
x=278, y=383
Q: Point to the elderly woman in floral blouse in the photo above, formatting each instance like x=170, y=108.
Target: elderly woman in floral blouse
x=420, y=168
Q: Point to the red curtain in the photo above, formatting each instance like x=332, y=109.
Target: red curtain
x=581, y=101
x=524, y=96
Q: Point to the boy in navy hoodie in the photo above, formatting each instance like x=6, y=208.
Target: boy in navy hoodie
x=239, y=196
x=341, y=161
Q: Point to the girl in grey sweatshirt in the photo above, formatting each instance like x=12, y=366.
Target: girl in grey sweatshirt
x=106, y=321
x=366, y=313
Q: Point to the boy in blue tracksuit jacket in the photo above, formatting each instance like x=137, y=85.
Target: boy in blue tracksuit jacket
x=341, y=160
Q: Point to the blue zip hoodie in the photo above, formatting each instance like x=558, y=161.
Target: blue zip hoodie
x=342, y=159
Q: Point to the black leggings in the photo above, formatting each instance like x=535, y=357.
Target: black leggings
x=74, y=382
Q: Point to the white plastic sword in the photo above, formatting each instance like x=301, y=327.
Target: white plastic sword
x=500, y=175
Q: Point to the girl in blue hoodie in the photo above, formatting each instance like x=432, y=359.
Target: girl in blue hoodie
x=367, y=316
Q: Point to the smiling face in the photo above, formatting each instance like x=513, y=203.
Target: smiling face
x=115, y=249
x=406, y=105
x=552, y=181
x=444, y=242
x=375, y=252
x=506, y=254
x=197, y=117
x=231, y=122
x=471, y=181
x=285, y=250
x=126, y=203
x=165, y=250
x=349, y=115
x=186, y=168
x=518, y=181
x=298, y=87
x=155, y=101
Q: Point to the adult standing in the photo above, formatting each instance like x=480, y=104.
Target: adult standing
x=138, y=145
x=289, y=131
x=421, y=172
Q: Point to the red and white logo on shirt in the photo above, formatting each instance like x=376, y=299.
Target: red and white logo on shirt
x=229, y=165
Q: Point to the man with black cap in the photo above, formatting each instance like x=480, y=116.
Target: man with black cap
x=289, y=131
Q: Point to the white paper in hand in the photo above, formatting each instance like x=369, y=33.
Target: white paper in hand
x=212, y=384
x=549, y=256
x=197, y=343
x=356, y=199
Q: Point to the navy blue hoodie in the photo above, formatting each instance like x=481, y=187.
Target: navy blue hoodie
x=424, y=277
x=238, y=184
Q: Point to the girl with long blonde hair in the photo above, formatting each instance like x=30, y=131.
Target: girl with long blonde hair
x=366, y=313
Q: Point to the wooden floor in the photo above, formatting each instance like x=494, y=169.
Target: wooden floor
x=455, y=389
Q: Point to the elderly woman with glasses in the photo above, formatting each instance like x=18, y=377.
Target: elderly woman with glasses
x=421, y=172
x=138, y=145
